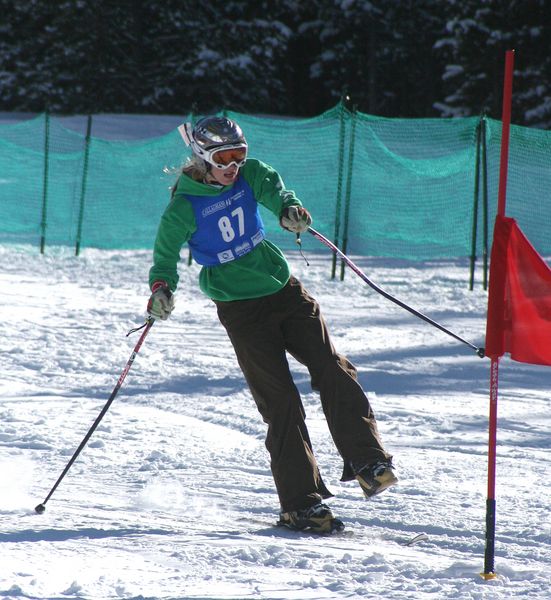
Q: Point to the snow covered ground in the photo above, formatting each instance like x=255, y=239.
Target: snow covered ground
x=173, y=497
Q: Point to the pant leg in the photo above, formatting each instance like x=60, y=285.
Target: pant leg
x=253, y=327
x=350, y=418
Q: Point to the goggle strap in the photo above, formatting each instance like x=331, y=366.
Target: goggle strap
x=185, y=131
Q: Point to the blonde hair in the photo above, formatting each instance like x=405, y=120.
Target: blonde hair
x=194, y=167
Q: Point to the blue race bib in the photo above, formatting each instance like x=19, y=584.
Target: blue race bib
x=228, y=225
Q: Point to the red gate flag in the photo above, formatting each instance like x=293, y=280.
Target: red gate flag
x=519, y=300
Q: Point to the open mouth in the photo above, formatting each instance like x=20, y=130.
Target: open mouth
x=230, y=174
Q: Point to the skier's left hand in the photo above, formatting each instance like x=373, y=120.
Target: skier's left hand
x=296, y=219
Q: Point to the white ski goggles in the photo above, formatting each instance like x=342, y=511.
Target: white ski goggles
x=221, y=157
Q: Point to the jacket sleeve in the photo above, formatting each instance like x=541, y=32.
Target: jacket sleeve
x=175, y=228
x=268, y=187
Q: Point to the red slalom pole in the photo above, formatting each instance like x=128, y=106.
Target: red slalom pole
x=40, y=508
x=496, y=296
x=505, y=130
x=489, y=551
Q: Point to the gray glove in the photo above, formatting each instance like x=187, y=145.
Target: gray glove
x=295, y=218
x=161, y=301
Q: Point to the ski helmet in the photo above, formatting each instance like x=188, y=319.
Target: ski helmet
x=213, y=135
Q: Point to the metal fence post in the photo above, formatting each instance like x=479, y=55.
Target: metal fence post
x=43, y=220
x=83, y=186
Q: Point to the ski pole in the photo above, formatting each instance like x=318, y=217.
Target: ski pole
x=40, y=508
x=362, y=275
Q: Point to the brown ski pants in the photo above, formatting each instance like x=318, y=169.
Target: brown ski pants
x=261, y=331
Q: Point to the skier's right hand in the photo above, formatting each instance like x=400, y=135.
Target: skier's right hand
x=161, y=301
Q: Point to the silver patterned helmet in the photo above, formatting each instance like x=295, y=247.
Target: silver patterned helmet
x=217, y=140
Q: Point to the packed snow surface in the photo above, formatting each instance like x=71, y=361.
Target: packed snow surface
x=173, y=496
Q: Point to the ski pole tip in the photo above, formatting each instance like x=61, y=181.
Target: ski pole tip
x=481, y=352
x=39, y=508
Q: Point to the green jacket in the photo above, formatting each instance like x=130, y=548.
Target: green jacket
x=261, y=272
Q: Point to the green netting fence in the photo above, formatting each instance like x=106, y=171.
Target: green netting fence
x=417, y=189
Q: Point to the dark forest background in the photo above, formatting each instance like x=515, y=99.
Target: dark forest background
x=393, y=58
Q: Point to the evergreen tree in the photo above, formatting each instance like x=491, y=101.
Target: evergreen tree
x=303, y=95
x=410, y=74
x=395, y=58
x=23, y=52
x=477, y=38
x=126, y=56
x=380, y=53
x=70, y=56
x=216, y=55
